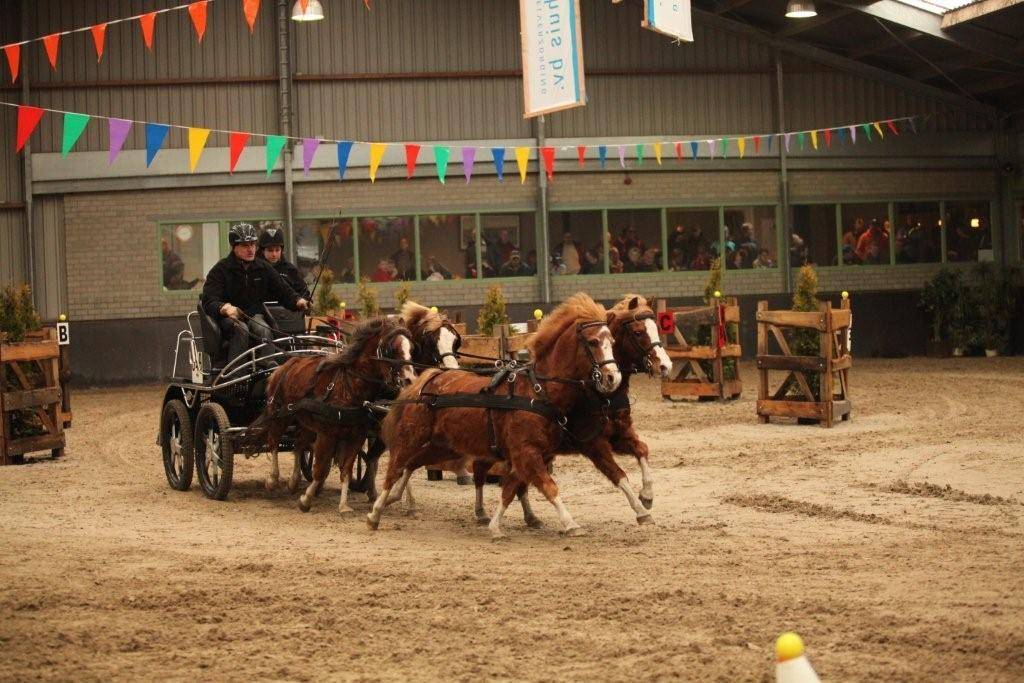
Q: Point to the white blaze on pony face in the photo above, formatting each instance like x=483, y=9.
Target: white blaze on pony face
x=446, y=344
x=664, y=362
x=407, y=372
x=610, y=373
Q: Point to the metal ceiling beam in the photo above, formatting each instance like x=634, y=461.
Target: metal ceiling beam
x=883, y=43
x=995, y=83
x=976, y=11
x=973, y=38
x=969, y=61
x=798, y=26
x=836, y=61
x=724, y=6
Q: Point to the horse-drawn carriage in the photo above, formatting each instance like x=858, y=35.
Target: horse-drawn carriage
x=211, y=400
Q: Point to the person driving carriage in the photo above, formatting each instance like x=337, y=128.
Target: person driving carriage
x=271, y=250
x=236, y=288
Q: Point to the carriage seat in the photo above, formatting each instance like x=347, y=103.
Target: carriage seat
x=214, y=344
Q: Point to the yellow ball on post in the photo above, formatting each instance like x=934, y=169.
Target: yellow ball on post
x=342, y=304
x=718, y=294
x=538, y=314
x=62, y=318
x=846, y=295
x=788, y=646
x=433, y=309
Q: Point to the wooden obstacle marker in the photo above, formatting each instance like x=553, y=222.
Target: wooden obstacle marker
x=690, y=378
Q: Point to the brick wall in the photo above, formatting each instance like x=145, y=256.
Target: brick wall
x=901, y=184
x=594, y=189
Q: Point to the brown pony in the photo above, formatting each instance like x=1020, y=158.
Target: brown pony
x=600, y=428
x=375, y=365
x=573, y=352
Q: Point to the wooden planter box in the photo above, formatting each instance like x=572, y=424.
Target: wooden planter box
x=831, y=366
x=44, y=395
x=689, y=380
x=502, y=344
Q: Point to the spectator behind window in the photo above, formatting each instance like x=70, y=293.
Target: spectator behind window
x=763, y=260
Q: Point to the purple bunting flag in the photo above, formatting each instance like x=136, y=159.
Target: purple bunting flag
x=119, y=129
x=468, y=157
x=309, y=146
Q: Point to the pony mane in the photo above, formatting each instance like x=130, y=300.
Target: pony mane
x=364, y=332
x=622, y=309
x=577, y=308
x=417, y=317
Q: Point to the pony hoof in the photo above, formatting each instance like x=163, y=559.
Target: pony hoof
x=498, y=537
x=303, y=504
x=372, y=523
x=412, y=514
x=483, y=521
x=575, y=531
x=292, y=486
x=647, y=502
x=464, y=480
x=534, y=523
x=646, y=519
x=270, y=483
x=345, y=511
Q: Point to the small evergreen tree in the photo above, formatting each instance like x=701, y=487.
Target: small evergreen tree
x=368, y=299
x=17, y=313
x=806, y=342
x=492, y=313
x=402, y=294
x=327, y=302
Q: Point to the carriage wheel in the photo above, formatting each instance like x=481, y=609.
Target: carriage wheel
x=176, y=443
x=305, y=457
x=215, y=456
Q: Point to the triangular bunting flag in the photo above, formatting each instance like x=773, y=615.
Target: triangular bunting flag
x=853, y=134
x=52, y=45
x=581, y=154
x=913, y=125
x=197, y=10
x=251, y=8
x=74, y=126
x=679, y=150
x=640, y=155
x=117, y=130
x=622, y=156
x=724, y=145
x=757, y=144
x=787, y=137
x=344, y=149
x=771, y=141
x=695, y=149
x=309, y=147
x=275, y=145
x=156, y=133
x=892, y=126
x=99, y=39
x=602, y=155
x=522, y=159
x=842, y=135
x=146, y=22
x=236, y=142
x=548, y=154
x=657, y=152
x=13, y=53
x=828, y=137
x=304, y=4
x=741, y=143
x=801, y=139
x=867, y=130
x=441, y=156
x=881, y=134
x=814, y=139
x=498, y=155
x=197, y=138
x=377, y=150
x=412, y=152
x=468, y=157
x=28, y=119
x=711, y=148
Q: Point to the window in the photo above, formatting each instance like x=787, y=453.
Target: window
x=866, y=232
x=750, y=237
x=918, y=232
x=509, y=247
x=692, y=238
x=188, y=251
x=968, y=232
x=813, y=238
x=386, y=248
x=333, y=239
x=636, y=235
x=578, y=244
x=447, y=247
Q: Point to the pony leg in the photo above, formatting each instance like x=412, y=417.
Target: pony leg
x=631, y=444
x=462, y=475
x=346, y=458
x=321, y=468
x=301, y=444
x=509, y=487
x=410, y=502
x=374, y=449
x=531, y=519
x=600, y=453
x=537, y=474
x=373, y=517
x=480, y=469
x=275, y=472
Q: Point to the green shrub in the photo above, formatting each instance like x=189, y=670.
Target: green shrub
x=368, y=299
x=327, y=302
x=492, y=313
x=17, y=313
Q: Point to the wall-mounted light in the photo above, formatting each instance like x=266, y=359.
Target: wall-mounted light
x=314, y=11
x=800, y=10
x=975, y=223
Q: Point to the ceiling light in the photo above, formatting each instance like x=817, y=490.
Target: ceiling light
x=314, y=11
x=800, y=10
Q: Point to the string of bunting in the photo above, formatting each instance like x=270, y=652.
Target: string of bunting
x=74, y=125
x=197, y=12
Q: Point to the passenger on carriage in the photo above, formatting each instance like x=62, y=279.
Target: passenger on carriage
x=236, y=288
x=271, y=250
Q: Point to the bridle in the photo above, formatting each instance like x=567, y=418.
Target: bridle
x=435, y=358
x=595, y=364
x=644, y=348
x=385, y=354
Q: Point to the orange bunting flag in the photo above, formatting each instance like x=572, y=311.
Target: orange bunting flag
x=377, y=150
x=522, y=160
x=679, y=151
x=879, y=129
x=196, y=142
x=236, y=142
x=892, y=127
x=13, y=53
x=99, y=39
x=742, y=144
x=146, y=22
x=197, y=10
x=548, y=154
x=304, y=4
x=251, y=8
x=581, y=154
x=814, y=139
x=657, y=152
x=757, y=144
x=412, y=153
x=52, y=45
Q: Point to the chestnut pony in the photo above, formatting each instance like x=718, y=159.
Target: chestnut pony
x=573, y=359
x=600, y=427
x=325, y=397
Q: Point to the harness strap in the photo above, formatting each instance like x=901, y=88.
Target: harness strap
x=331, y=414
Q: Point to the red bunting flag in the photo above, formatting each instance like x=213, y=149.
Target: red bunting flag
x=828, y=137
x=52, y=45
x=99, y=39
x=757, y=144
x=304, y=4
x=548, y=153
x=892, y=127
x=146, y=22
x=13, y=53
x=236, y=142
x=412, y=152
x=28, y=119
x=197, y=10
x=366, y=3
x=251, y=8
x=679, y=151
x=581, y=154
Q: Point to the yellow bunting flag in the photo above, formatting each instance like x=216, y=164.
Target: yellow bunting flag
x=377, y=150
x=522, y=159
x=879, y=129
x=657, y=152
x=814, y=139
x=742, y=144
x=196, y=142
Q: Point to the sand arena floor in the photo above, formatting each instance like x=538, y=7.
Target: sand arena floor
x=892, y=543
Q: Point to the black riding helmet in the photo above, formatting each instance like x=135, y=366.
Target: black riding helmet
x=242, y=233
x=271, y=237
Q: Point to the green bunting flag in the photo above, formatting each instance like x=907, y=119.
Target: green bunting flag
x=275, y=144
x=441, y=155
x=74, y=126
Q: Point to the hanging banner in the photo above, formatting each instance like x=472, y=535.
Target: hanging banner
x=671, y=17
x=552, y=55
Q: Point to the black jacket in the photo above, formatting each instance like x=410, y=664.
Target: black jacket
x=292, y=276
x=245, y=288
